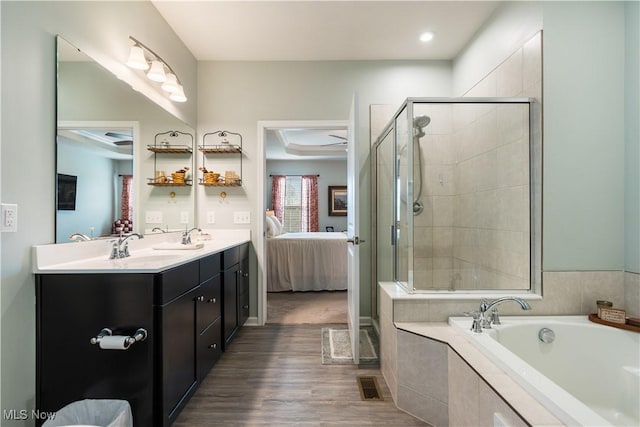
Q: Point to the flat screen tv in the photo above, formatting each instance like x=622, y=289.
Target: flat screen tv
x=67, y=192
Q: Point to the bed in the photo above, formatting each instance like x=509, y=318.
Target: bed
x=307, y=262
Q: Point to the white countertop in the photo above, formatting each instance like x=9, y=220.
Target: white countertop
x=146, y=255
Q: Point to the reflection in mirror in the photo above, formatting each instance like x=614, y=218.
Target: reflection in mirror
x=99, y=157
x=103, y=129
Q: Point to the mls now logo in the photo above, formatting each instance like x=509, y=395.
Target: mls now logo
x=23, y=414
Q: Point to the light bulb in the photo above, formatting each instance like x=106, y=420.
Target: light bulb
x=178, y=95
x=156, y=73
x=136, y=59
x=171, y=83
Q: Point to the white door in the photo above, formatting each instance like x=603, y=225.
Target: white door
x=353, y=182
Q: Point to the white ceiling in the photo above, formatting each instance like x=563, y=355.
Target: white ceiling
x=323, y=30
x=304, y=30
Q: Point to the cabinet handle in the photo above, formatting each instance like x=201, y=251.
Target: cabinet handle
x=213, y=346
x=200, y=298
x=212, y=300
x=245, y=274
x=245, y=307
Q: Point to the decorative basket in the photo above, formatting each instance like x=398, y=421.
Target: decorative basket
x=211, y=177
x=178, y=177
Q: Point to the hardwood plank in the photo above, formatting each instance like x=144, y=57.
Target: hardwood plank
x=273, y=375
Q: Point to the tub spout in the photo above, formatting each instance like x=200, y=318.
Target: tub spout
x=485, y=306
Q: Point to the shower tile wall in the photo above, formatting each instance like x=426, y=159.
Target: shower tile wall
x=474, y=231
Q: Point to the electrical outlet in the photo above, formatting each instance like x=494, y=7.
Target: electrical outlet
x=153, y=217
x=9, y=218
x=184, y=217
x=211, y=217
x=242, y=217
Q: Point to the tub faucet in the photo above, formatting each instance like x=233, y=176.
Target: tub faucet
x=120, y=247
x=485, y=306
x=186, y=236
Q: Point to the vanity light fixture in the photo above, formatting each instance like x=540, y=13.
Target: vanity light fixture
x=143, y=58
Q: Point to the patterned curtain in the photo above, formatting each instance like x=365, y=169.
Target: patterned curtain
x=309, y=203
x=278, y=183
x=126, y=200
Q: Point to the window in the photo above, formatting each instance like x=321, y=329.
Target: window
x=294, y=199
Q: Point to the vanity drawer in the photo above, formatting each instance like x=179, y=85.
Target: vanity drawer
x=209, y=303
x=209, y=348
x=210, y=266
x=176, y=281
x=230, y=257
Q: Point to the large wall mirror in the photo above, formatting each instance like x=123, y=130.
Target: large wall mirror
x=103, y=165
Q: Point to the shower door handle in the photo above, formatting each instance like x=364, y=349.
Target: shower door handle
x=393, y=235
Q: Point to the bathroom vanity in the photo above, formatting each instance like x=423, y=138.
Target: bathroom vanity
x=190, y=310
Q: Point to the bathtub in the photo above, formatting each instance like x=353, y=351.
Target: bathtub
x=588, y=376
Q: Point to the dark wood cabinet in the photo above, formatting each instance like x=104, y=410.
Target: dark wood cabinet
x=209, y=313
x=236, y=289
x=190, y=313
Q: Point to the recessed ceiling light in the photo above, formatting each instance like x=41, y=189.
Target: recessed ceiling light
x=426, y=37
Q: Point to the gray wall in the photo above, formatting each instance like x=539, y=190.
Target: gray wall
x=236, y=95
x=101, y=29
x=632, y=137
x=583, y=193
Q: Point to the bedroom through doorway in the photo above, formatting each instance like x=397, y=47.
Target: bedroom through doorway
x=305, y=223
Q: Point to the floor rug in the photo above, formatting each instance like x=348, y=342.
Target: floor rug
x=336, y=346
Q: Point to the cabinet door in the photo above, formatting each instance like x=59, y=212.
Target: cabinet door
x=73, y=308
x=178, y=344
x=243, y=291
x=230, y=300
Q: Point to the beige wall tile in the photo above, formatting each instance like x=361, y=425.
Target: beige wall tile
x=632, y=294
x=509, y=76
x=490, y=403
x=464, y=387
x=532, y=61
x=422, y=366
x=423, y=407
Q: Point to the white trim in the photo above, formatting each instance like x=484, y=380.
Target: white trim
x=260, y=242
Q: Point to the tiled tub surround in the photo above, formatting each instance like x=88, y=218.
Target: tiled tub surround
x=445, y=381
x=404, y=315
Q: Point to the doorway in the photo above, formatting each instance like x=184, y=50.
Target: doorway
x=295, y=148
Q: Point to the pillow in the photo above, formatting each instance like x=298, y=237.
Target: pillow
x=278, y=225
x=271, y=227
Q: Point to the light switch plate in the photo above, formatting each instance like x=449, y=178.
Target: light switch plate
x=242, y=217
x=184, y=217
x=211, y=217
x=9, y=218
x=153, y=217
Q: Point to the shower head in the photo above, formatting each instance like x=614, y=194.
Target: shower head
x=419, y=123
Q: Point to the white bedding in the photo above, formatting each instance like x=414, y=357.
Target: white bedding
x=307, y=262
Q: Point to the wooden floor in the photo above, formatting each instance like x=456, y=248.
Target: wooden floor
x=294, y=308
x=273, y=376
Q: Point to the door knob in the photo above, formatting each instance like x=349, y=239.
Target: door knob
x=355, y=240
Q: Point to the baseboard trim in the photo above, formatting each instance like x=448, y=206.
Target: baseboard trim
x=252, y=321
x=366, y=321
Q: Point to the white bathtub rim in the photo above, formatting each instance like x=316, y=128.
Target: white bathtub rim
x=558, y=401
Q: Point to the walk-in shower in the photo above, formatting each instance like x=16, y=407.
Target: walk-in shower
x=453, y=195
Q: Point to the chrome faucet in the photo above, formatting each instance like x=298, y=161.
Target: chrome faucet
x=77, y=237
x=186, y=236
x=494, y=318
x=154, y=229
x=120, y=247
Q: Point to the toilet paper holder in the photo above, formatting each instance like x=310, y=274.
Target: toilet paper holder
x=139, y=335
